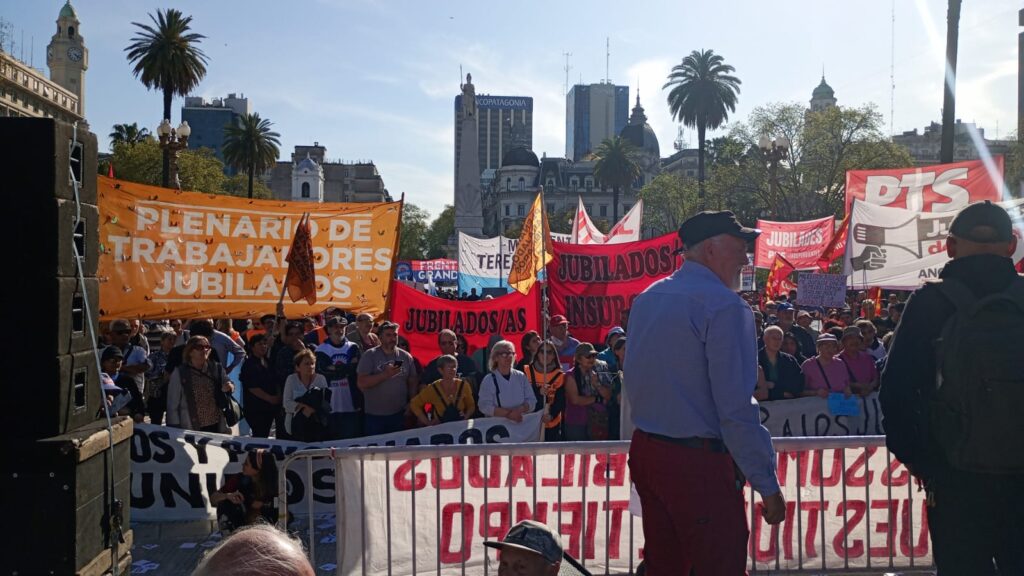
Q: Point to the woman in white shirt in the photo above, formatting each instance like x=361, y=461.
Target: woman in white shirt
x=297, y=384
x=505, y=391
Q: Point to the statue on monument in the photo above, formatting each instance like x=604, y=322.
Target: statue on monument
x=468, y=97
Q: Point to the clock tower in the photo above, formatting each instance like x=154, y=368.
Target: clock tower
x=67, y=56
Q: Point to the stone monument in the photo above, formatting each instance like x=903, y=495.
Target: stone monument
x=469, y=216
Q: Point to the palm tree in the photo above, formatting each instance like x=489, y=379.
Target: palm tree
x=703, y=93
x=129, y=134
x=616, y=166
x=250, y=145
x=166, y=58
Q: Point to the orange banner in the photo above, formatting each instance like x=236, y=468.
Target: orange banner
x=170, y=254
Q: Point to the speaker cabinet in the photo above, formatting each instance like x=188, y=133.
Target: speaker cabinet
x=68, y=494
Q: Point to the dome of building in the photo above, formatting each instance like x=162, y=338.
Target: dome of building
x=68, y=11
x=520, y=156
x=308, y=163
x=639, y=133
x=823, y=91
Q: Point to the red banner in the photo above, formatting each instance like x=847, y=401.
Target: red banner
x=939, y=188
x=420, y=317
x=800, y=243
x=592, y=285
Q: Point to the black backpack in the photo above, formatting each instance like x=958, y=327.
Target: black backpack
x=977, y=410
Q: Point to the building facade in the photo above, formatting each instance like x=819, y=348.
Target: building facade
x=208, y=118
x=496, y=117
x=25, y=91
x=593, y=112
x=924, y=147
x=312, y=177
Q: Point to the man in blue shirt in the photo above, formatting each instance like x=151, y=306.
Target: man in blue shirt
x=692, y=368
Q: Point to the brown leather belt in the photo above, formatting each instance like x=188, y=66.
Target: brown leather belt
x=709, y=444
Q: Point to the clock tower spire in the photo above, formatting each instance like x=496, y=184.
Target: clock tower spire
x=67, y=56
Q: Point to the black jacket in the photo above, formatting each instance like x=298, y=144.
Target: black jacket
x=791, y=377
x=911, y=366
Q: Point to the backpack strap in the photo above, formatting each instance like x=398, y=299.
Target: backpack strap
x=848, y=369
x=497, y=390
x=824, y=375
x=440, y=396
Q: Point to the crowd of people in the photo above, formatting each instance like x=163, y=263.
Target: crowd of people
x=342, y=376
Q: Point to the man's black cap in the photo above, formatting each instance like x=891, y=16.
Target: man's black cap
x=982, y=222
x=708, y=224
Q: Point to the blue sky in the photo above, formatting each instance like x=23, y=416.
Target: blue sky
x=376, y=80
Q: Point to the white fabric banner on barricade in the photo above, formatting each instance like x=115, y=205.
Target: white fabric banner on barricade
x=900, y=249
x=174, y=470
x=811, y=417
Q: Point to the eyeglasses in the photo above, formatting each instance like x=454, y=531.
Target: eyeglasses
x=203, y=347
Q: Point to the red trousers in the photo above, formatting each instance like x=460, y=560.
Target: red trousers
x=693, y=512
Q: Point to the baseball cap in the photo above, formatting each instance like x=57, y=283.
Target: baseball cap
x=558, y=320
x=615, y=330
x=803, y=313
x=533, y=537
x=830, y=338
x=783, y=306
x=709, y=223
x=982, y=215
x=111, y=352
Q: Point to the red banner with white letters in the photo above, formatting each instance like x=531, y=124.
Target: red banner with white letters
x=938, y=188
x=592, y=285
x=800, y=243
x=421, y=316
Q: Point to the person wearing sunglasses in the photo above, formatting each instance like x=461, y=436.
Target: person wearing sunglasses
x=505, y=391
x=195, y=390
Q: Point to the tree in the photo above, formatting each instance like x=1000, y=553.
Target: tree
x=703, y=93
x=251, y=145
x=237, y=185
x=824, y=145
x=616, y=166
x=669, y=199
x=413, y=241
x=199, y=170
x=128, y=134
x=440, y=231
x=1013, y=168
x=166, y=58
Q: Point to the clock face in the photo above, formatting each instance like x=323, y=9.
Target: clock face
x=74, y=54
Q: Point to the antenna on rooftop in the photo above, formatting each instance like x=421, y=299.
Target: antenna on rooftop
x=567, y=68
x=607, y=59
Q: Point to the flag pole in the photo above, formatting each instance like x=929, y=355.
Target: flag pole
x=544, y=226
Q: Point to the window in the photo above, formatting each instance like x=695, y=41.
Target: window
x=551, y=207
x=521, y=210
x=522, y=184
x=508, y=184
x=691, y=173
x=550, y=184
x=508, y=209
x=589, y=183
x=589, y=208
x=574, y=183
x=71, y=31
x=604, y=210
x=305, y=189
x=626, y=207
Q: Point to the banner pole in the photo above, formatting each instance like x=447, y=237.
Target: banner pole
x=544, y=227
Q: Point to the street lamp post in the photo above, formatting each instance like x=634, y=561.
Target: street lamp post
x=172, y=140
x=773, y=151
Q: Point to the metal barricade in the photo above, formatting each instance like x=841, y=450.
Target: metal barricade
x=427, y=509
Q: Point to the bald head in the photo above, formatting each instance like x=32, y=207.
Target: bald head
x=259, y=550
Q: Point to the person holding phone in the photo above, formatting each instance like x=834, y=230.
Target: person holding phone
x=388, y=379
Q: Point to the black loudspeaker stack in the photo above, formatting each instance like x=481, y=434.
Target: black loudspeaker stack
x=66, y=492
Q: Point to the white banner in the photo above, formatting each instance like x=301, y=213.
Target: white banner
x=626, y=230
x=900, y=249
x=485, y=262
x=811, y=417
x=174, y=470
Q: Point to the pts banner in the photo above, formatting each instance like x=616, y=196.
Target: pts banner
x=184, y=254
x=800, y=243
x=592, y=285
x=420, y=317
x=939, y=188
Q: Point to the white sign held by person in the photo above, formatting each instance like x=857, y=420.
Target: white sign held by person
x=174, y=471
x=827, y=290
x=811, y=417
x=900, y=249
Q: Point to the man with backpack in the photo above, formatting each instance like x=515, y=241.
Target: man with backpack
x=953, y=397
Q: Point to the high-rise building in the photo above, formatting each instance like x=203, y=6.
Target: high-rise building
x=496, y=117
x=593, y=112
x=207, y=119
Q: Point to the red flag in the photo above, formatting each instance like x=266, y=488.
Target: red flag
x=835, y=248
x=301, y=279
x=778, y=277
x=875, y=294
x=110, y=169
